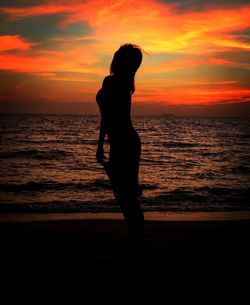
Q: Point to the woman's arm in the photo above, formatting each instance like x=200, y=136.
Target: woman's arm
x=100, y=152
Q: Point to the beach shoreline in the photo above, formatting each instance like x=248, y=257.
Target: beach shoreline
x=149, y=216
x=181, y=249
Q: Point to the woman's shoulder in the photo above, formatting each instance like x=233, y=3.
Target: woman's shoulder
x=116, y=85
x=108, y=82
x=107, y=86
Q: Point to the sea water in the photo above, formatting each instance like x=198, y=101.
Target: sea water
x=47, y=164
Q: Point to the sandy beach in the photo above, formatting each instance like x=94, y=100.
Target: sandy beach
x=180, y=248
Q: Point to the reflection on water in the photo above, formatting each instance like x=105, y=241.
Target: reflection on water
x=48, y=164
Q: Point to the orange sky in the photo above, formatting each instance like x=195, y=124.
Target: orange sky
x=58, y=50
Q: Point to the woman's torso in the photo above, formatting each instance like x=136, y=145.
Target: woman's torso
x=114, y=101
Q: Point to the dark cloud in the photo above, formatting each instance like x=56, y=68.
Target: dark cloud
x=21, y=3
x=27, y=106
x=197, y=5
x=42, y=28
x=235, y=55
x=225, y=73
x=237, y=67
x=242, y=35
x=11, y=82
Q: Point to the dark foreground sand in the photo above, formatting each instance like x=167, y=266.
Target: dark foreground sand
x=181, y=250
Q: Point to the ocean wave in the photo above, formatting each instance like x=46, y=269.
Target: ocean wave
x=209, y=153
x=204, y=195
x=149, y=186
x=245, y=136
x=36, y=154
x=211, y=174
x=42, y=186
x=241, y=170
x=178, y=144
x=72, y=141
x=70, y=206
x=152, y=161
x=40, y=142
x=178, y=200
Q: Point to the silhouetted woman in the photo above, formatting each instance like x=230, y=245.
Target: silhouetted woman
x=114, y=101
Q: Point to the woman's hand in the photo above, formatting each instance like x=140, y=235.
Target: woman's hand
x=100, y=158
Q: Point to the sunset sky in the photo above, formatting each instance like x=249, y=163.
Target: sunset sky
x=197, y=52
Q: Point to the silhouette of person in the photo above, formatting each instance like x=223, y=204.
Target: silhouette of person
x=122, y=167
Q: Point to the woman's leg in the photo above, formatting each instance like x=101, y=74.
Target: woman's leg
x=124, y=181
x=134, y=217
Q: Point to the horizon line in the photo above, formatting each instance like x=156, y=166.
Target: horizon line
x=167, y=115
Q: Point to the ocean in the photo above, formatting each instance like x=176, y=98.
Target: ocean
x=47, y=164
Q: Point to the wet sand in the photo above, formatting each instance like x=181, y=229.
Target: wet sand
x=181, y=249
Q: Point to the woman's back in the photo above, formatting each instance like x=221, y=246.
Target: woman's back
x=114, y=101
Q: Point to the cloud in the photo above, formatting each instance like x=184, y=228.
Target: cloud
x=42, y=27
x=194, y=46
x=200, y=5
x=14, y=42
x=21, y=3
x=119, y=20
x=111, y=23
x=75, y=60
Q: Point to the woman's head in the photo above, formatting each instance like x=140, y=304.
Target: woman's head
x=126, y=61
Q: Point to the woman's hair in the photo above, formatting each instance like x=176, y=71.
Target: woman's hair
x=126, y=61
